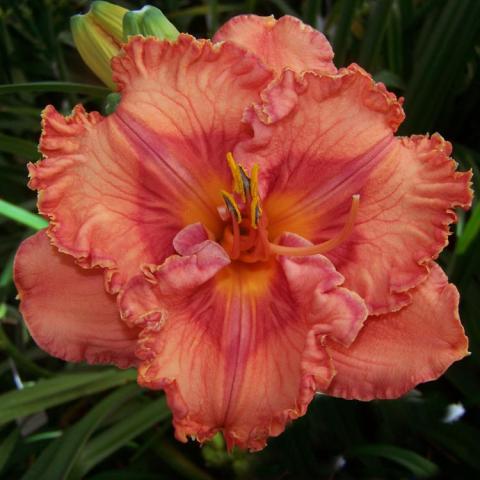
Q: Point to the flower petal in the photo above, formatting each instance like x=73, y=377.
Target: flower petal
x=314, y=136
x=286, y=42
x=324, y=139
x=117, y=189
x=239, y=353
x=395, y=352
x=203, y=259
x=66, y=308
x=336, y=312
x=406, y=208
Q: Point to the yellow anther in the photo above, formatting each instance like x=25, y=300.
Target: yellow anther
x=255, y=212
x=231, y=205
x=254, y=181
x=236, y=175
x=245, y=183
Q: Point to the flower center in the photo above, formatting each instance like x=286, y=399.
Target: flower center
x=245, y=236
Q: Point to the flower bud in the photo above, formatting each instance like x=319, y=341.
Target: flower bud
x=97, y=36
x=148, y=21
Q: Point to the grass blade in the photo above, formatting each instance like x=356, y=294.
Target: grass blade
x=443, y=57
x=394, y=41
x=471, y=232
x=17, y=356
x=202, y=10
x=285, y=8
x=312, y=10
x=55, y=462
x=7, y=447
x=212, y=15
x=119, y=434
x=58, y=87
x=415, y=463
x=18, y=146
x=179, y=462
x=61, y=389
x=342, y=32
x=390, y=79
x=22, y=216
x=376, y=26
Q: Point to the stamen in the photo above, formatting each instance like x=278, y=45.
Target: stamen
x=238, y=186
x=254, y=181
x=232, y=206
x=235, y=253
x=245, y=181
x=325, y=246
x=246, y=239
x=262, y=246
x=255, y=212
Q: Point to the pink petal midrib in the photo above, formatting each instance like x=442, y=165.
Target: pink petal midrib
x=367, y=162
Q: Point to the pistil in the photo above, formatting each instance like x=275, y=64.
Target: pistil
x=325, y=246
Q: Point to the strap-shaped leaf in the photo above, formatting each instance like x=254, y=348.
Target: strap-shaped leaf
x=55, y=391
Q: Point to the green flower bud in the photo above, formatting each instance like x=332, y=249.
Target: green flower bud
x=148, y=21
x=98, y=36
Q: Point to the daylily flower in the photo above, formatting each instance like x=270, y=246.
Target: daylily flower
x=250, y=207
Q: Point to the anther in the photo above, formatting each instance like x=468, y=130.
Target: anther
x=255, y=212
x=232, y=206
x=245, y=182
x=238, y=185
x=254, y=181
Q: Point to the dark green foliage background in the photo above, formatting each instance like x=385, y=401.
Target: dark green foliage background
x=96, y=423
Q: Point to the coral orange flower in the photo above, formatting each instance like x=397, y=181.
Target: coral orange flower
x=264, y=233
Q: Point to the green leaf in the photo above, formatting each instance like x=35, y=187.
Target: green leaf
x=129, y=475
x=179, y=462
x=56, y=461
x=22, y=216
x=42, y=436
x=16, y=355
x=470, y=233
x=468, y=159
x=462, y=375
x=342, y=30
x=212, y=15
x=61, y=389
x=109, y=441
x=377, y=23
x=390, y=79
x=6, y=276
x=415, y=463
x=60, y=87
x=460, y=440
x=17, y=146
x=202, y=10
x=7, y=447
x=250, y=6
x=13, y=174
x=466, y=260
x=312, y=10
x=111, y=102
x=285, y=8
x=394, y=40
x=446, y=50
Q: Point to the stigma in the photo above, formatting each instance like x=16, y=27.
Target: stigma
x=245, y=236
